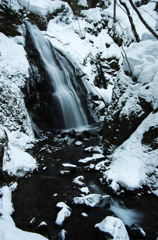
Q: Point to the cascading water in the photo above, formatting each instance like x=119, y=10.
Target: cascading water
x=66, y=104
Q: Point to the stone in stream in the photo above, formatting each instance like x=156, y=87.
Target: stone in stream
x=63, y=214
x=60, y=236
x=32, y=222
x=93, y=200
x=43, y=228
x=79, y=180
x=136, y=231
x=112, y=228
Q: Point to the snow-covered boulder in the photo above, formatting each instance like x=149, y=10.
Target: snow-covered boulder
x=93, y=200
x=134, y=163
x=137, y=232
x=112, y=228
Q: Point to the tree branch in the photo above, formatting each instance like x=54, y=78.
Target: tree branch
x=131, y=21
x=142, y=19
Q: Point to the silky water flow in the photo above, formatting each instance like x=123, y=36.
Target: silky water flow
x=66, y=104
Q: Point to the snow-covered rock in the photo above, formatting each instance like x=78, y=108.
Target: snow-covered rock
x=79, y=180
x=95, y=157
x=63, y=214
x=136, y=158
x=14, y=72
x=93, y=200
x=112, y=228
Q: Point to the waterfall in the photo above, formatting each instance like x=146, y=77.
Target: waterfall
x=66, y=105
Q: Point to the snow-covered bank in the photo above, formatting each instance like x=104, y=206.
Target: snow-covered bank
x=8, y=230
x=134, y=164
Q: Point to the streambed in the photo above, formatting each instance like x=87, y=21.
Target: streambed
x=38, y=194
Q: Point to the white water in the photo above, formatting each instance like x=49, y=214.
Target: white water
x=66, y=104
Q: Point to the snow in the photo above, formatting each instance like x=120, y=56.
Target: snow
x=114, y=227
x=84, y=214
x=95, y=157
x=79, y=180
x=135, y=161
x=64, y=213
x=8, y=229
x=92, y=200
x=78, y=143
x=84, y=190
x=42, y=7
x=83, y=3
x=69, y=165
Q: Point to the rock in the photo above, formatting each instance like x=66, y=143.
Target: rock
x=78, y=143
x=136, y=231
x=93, y=200
x=95, y=157
x=112, y=228
x=43, y=228
x=63, y=214
x=79, y=180
x=64, y=172
x=60, y=236
x=84, y=190
x=95, y=149
x=32, y=222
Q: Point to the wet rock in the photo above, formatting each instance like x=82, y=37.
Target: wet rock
x=93, y=200
x=112, y=228
x=43, y=228
x=60, y=236
x=136, y=231
x=32, y=222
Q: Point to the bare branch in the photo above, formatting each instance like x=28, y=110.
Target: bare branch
x=142, y=19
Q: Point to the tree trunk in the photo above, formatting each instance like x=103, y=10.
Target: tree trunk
x=131, y=21
x=142, y=19
x=114, y=18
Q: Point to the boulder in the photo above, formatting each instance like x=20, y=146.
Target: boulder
x=63, y=214
x=112, y=228
x=136, y=231
x=93, y=200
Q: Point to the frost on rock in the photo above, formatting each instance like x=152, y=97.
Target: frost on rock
x=112, y=228
x=93, y=200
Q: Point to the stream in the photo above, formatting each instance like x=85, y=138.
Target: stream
x=38, y=193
